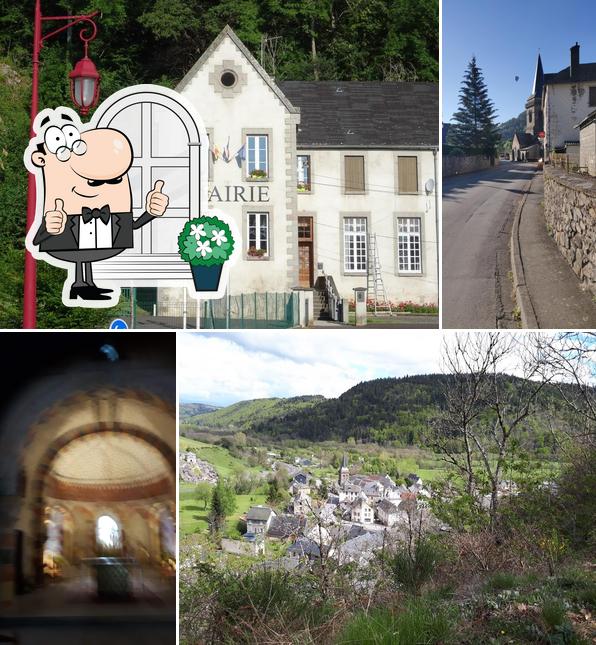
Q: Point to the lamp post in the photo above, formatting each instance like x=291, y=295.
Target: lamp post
x=84, y=89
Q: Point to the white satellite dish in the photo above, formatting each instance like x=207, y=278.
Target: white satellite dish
x=430, y=185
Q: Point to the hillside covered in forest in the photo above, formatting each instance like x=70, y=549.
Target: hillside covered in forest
x=382, y=410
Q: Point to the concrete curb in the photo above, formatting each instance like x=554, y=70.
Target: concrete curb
x=522, y=295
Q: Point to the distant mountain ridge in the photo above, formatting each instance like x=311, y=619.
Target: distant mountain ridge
x=192, y=409
x=381, y=410
x=243, y=415
x=508, y=128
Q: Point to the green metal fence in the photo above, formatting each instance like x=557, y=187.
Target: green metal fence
x=251, y=311
x=142, y=309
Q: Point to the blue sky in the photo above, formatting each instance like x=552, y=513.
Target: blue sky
x=506, y=36
x=222, y=368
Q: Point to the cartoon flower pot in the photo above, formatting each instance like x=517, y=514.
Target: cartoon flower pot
x=206, y=243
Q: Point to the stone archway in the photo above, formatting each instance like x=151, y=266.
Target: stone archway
x=44, y=467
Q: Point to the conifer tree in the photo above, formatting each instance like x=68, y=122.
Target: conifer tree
x=474, y=130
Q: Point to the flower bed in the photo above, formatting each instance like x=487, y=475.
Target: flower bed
x=400, y=307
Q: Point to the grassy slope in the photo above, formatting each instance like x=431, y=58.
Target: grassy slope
x=193, y=517
x=223, y=462
x=244, y=413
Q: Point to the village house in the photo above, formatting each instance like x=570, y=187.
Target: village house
x=361, y=495
x=286, y=526
x=388, y=512
x=302, y=503
x=258, y=520
x=569, y=96
x=361, y=510
x=305, y=548
x=332, y=184
x=361, y=549
x=559, y=103
x=587, y=144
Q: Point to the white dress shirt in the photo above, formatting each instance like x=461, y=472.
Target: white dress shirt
x=95, y=234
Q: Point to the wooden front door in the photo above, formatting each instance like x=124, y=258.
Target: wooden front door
x=305, y=251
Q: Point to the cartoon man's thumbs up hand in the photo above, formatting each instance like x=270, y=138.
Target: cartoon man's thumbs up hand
x=156, y=202
x=56, y=219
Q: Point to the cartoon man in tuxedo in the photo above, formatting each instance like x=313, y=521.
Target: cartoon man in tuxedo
x=83, y=184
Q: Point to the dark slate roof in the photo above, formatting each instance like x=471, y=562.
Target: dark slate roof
x=589, y=119
x=283, y=526
x=301, y=478
x=259, y=513
x=305, y=546
x=355, y=531
x=524, y=139
x=388, y=506
x=365, y=114
x=538, y=78
x=585, y=73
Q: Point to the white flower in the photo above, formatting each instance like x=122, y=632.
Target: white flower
x=203, y=248
x=197, y=230
x=219, y=237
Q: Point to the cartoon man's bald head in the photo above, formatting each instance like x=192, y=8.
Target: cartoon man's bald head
x=83, y=168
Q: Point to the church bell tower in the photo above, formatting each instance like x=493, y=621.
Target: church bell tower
x=534, y=117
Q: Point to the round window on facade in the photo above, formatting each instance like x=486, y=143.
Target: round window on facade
x=228, y=79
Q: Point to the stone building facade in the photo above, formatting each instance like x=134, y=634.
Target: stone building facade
x=322, y=178
x=569, y=96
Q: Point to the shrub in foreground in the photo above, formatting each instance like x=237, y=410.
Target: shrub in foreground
x=420, y=622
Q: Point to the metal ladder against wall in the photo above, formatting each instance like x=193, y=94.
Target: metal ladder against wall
x=374, y=279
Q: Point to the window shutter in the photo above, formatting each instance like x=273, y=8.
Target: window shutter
x=354, y=174
x=592, y=99
x=407, y=174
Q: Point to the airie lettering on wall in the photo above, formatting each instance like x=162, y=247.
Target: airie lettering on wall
x=97, y=189
x=252, y=194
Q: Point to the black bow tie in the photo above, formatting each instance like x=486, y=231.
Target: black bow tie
x=103, y=213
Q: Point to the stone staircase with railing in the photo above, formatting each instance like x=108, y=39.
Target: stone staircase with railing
x=320, y=300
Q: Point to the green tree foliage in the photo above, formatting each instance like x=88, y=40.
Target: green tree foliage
x=473, y=130
x=277, y=488
x=508, y=128
x=203, y=492
x=387, y=410
x=223, y=504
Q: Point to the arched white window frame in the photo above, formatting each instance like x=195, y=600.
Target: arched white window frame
x=151, y=269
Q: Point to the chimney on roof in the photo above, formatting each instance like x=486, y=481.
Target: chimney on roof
x=574, y=68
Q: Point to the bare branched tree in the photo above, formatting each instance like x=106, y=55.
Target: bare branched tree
x=396, y=70
x=569, y=359
x=483, y=412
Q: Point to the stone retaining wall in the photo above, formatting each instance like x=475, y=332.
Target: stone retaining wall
x=570, y=212
x=458, y=165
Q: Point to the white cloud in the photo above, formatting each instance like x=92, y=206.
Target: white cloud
x=221, y=368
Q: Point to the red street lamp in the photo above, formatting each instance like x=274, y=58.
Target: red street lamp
x=84, y=80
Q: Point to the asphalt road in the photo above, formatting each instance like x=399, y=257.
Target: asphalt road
x=477, y=216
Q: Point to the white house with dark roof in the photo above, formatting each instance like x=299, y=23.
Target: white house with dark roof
x=323, y=179
x=258, y=520
x=362, y=511
x=388, y=512
x=568, y=97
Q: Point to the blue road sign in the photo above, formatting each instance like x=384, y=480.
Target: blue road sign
x=118, y=323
